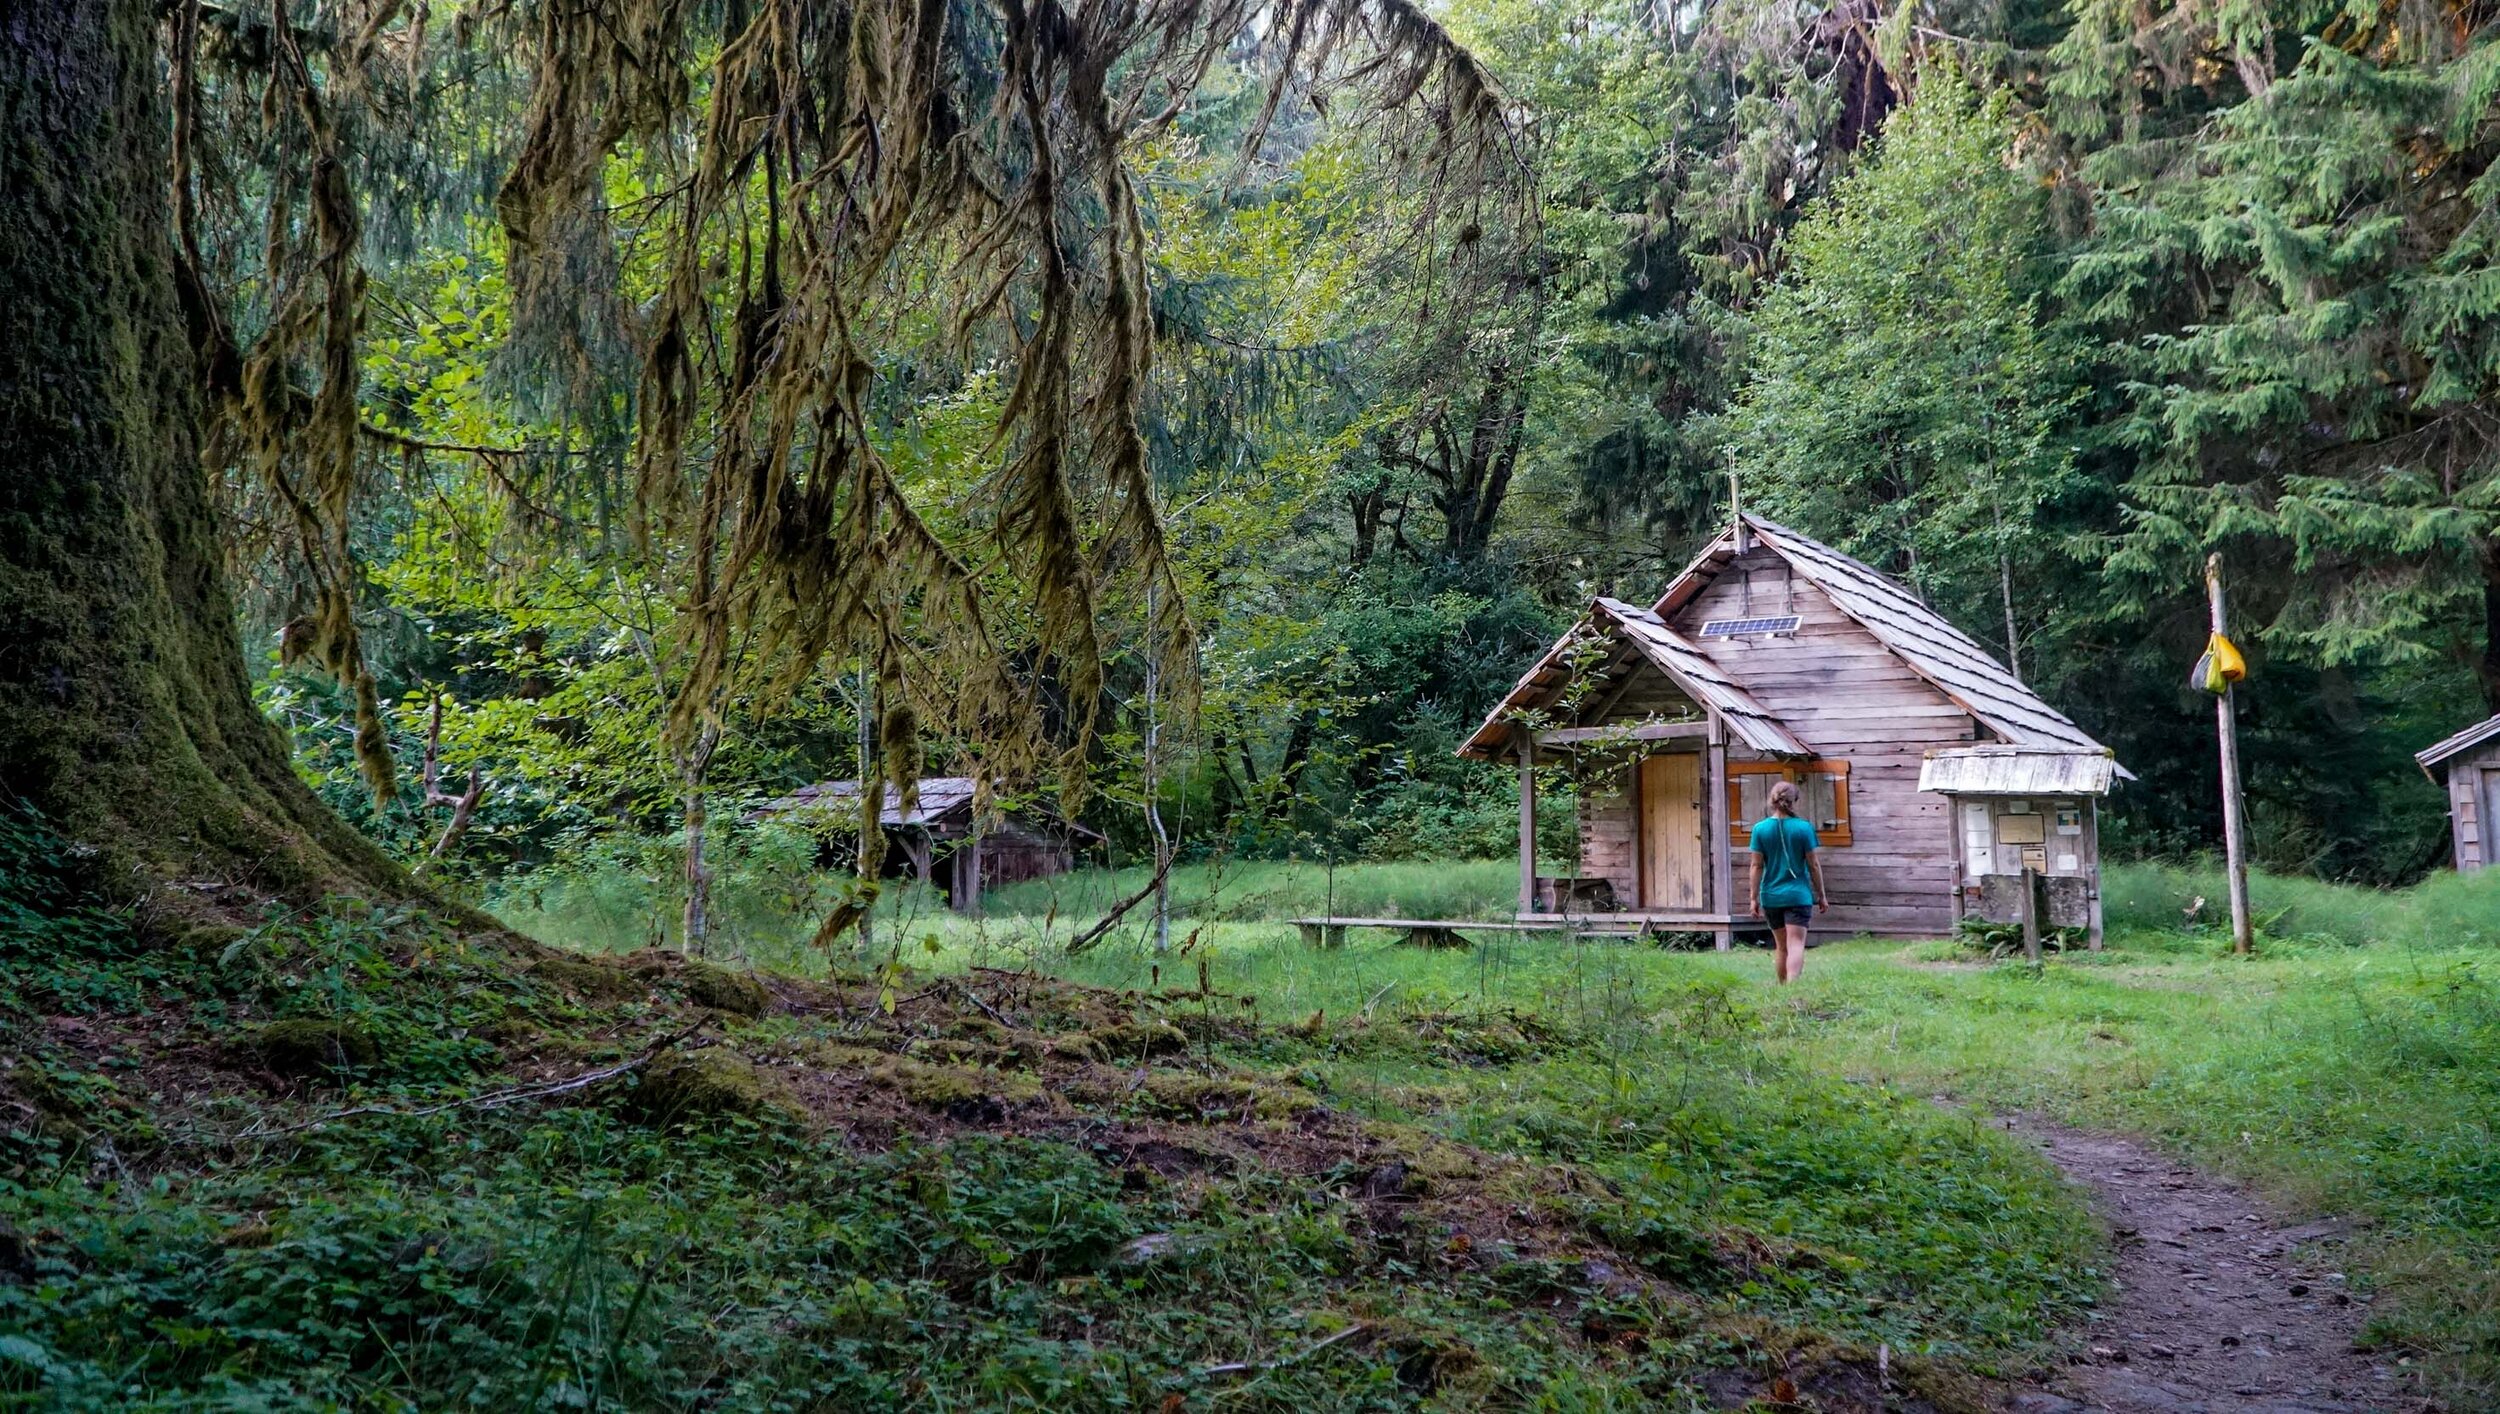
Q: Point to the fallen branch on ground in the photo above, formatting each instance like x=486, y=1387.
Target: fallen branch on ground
x=492, y=1099
x=1246, y=1367
x=1093, y=935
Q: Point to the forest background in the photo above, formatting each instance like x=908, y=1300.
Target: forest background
x=2032, y=305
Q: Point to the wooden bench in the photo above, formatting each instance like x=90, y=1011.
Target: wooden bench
x=1420, y=932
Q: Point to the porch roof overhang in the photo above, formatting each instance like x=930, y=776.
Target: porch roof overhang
x=1649, y=638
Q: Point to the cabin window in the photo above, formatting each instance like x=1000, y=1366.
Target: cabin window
x=1825, y=800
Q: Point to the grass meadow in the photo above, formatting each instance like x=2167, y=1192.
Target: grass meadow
x=2351, y=1067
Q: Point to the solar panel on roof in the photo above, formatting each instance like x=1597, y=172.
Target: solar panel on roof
x=1747, y=628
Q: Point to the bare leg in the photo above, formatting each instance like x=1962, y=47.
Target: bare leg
x=1793, y=952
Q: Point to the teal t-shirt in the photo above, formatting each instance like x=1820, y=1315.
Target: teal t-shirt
x=1785, y=842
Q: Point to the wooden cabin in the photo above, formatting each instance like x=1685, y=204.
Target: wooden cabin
x=1774, y=657
x=941, y=841
x=2467, y=766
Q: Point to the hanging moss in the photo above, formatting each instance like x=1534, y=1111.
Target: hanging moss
x=125, y=709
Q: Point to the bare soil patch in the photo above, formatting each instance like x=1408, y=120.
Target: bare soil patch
x=2216, y=1305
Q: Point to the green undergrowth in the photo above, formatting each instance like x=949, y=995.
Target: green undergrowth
x=1848, y=1208
x=351, y=1160
x=2360, y=1081
x=770, y=895
x=2444, y=910
x=2350, y=1069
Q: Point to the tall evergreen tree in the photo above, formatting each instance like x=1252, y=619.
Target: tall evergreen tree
x=2302, y=263
x=1907, y=397
x=125, y=712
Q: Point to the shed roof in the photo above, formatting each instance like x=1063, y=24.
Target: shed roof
x=1994, y=768
x=1951, y=660
x=1663, y=648
x=2432, y=756
x=939, y=796
x=945, y=801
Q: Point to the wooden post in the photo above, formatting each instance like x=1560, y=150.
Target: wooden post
x=2226, y=726
x=1736, y=503
x=1722, y=884
x=2093, y=842
x=1527, y=821
x=2031, y=917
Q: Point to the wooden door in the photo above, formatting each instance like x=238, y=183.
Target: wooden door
x=1675, y=864
x=2487, y=819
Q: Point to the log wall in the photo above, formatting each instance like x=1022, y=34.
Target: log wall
x=1847, y=696
x=2472, y=800
x=1610, y=836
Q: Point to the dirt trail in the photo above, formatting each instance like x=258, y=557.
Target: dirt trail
x=2214, y=1307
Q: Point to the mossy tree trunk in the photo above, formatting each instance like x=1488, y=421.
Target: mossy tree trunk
x=125, y=708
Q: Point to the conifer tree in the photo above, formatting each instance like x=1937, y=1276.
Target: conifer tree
x=2294, y=223
x=1907, y=396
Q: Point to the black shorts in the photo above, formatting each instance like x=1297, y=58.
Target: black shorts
x=1787, y=914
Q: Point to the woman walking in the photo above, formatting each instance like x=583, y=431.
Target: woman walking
x=1786, y=878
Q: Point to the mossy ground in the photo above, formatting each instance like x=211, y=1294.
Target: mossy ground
x=575, y=1182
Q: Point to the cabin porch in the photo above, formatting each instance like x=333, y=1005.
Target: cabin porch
x=1658, y=856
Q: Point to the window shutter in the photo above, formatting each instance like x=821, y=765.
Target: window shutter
x=1825, y=802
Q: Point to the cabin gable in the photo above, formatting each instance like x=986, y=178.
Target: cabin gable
x=1609, y=812
x=1851, y=699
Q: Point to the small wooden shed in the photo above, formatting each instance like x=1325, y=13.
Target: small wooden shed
x=2467, y=766
x=942, y=843
x=2020, y=813
x=1770, y=657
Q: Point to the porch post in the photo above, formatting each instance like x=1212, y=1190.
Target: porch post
x=1722, y=885
x=1527, y=820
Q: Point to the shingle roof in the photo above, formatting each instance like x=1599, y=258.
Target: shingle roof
x=1670, y=652
x=2463, y=741
x=939, y=795
x=1948, y=658
x=1997, y=769
x=1705, y=681
x=945, y=803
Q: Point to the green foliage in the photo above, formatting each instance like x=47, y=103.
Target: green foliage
x=613, y=891
x=1906, y=397
x=682, y=1236
x=2320, y=333
x=2347, y=1070
x=1261, y=889
x=60, y=946
x=2459, y=910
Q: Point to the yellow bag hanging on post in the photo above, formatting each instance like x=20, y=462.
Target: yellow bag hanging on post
x=2220, y=666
